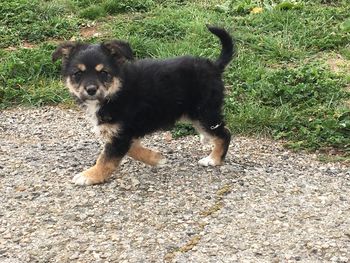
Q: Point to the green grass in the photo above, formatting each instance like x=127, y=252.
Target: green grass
x=34, y=21
x=281, y=84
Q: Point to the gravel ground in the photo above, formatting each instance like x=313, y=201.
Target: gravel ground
x=265, y=204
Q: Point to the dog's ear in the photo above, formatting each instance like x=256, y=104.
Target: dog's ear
x=120, y=50
x=64, y=50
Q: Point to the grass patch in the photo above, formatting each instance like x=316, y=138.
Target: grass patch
x=27, y=76
x=282, y=83
x=92, y=12
x=97, y=9
x=304, y=104
x=115, y=7
x=33, y=21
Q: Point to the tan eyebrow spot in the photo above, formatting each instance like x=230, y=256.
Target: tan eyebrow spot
x=82, y=67
x=99, y=67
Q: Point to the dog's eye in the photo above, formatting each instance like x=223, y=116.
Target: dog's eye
x=104, y=75
x=77, y=75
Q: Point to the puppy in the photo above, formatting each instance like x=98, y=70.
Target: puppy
x=127, y=99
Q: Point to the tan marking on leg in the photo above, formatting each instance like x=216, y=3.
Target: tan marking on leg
x=99, y=67
x=215, y=157
x=98, y=173
x=217, y=151
x=142, y=154
x=82, y=67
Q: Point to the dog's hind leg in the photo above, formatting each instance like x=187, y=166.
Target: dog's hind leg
x=204, y=139
x=221, y=140
x=142, y=154
x=219, y=136
x=106, y=164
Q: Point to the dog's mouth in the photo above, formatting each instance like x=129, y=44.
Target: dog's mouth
x=84, y=96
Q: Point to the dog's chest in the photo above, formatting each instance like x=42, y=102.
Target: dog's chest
x=102, y=129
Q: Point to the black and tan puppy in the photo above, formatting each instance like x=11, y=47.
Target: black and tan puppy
x=128, y=99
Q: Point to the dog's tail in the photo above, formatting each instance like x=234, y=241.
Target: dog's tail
x=228, y=46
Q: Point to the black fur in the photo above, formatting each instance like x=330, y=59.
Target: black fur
x=154, y=94
x=228, y=48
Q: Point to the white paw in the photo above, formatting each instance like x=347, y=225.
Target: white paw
x=208, y=161
x=81, y=179
x=161, y=162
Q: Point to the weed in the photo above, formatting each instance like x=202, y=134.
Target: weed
x=182, y=129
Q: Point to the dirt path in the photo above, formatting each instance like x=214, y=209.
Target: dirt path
x=265, y=204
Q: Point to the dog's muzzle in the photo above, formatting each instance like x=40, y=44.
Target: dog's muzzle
x=91, y=90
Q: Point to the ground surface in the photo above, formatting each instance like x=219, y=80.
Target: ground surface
x=265, y=204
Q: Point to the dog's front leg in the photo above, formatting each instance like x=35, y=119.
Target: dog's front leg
x=106, y=164
x=147, y=156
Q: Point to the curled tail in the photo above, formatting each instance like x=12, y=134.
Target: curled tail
x=228, y=46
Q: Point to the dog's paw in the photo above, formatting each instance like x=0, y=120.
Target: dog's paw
x=81, y=179
x=208, y=161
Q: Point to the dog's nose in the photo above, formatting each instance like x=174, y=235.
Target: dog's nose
x=91, y=89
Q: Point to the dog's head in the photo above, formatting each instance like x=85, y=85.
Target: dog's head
x=92, y=72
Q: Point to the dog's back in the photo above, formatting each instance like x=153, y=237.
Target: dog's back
x=162, y=91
